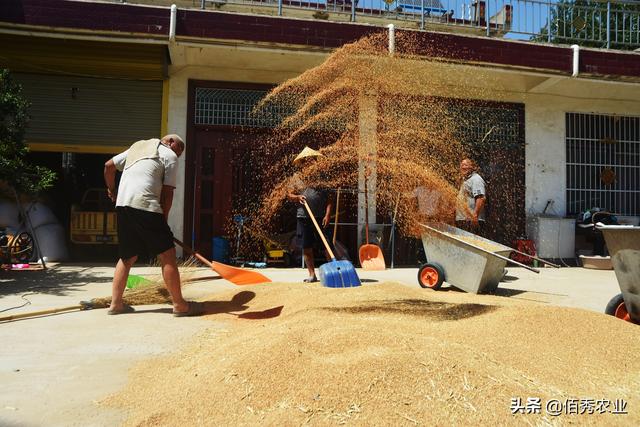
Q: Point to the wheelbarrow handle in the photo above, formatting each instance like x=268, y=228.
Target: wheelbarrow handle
x=536, y=258
x=535, y=270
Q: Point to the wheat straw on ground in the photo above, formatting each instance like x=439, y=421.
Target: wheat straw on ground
x=153, y=291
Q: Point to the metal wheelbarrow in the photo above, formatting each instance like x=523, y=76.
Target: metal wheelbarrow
x=623, y=243
x=465, y=260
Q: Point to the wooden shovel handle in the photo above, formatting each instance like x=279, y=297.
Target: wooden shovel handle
x=335, y=224
x=42, y=312
x=366, y=210
x=194, y=253
x=324, y=240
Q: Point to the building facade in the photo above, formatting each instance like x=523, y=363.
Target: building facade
x=102, y=75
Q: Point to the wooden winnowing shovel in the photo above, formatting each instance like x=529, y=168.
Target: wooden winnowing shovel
x=393, y=230
x=236, y=275
x=371, y=256
x=335, y=224
x=333, y=274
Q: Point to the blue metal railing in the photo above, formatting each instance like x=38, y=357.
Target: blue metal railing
x=597, y=23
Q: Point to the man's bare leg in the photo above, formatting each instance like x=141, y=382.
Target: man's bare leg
x=308, y=260
x=171, y=277
x=120, y=281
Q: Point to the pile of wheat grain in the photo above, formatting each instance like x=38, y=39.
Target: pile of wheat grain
x=386, y=354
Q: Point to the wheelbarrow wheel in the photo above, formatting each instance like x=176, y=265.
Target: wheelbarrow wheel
x=431, y=276
x=617, y=308
x=21, y=248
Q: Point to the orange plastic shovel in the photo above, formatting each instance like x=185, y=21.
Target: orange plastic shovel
x=236, y=275
x=371, y=257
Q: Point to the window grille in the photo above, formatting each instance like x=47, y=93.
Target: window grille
x=481, y=128
x=603, y=163
x=494, y=138
x=234, y=107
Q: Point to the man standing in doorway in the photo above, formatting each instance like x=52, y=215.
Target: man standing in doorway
x=472, y=195
x=319, y=203
x=143, y=201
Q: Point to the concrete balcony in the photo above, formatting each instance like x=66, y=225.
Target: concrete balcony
x=600, y=24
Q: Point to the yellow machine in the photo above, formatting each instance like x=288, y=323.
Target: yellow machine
x=276, y=254
x=94, y=221
x=276, y=249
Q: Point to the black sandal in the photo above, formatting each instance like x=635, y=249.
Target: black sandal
x=124, y=310
x=195, y=309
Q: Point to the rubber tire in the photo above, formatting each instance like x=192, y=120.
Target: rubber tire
x=21, y=248
x=613, y=305
x=438, y=284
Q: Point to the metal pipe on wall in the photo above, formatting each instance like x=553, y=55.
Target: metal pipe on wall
x=172, y=23
x=576, y=60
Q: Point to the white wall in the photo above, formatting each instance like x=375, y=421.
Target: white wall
x=545, y=139
x=544, y=156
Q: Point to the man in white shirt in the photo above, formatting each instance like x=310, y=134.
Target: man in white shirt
x=143, y=201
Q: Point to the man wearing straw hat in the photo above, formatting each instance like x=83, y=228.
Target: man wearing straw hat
x=143, y=200
x=319, y=203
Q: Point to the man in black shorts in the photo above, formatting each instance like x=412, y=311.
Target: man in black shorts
x=320, y=204
x=143, y=200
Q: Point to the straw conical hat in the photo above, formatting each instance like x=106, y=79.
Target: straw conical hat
x=307, y=152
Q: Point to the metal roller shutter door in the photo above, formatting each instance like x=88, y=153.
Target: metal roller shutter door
x=90, y=112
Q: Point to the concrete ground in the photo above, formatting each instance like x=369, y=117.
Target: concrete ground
x=54, y=368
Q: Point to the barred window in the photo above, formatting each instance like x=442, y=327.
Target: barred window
x=234, y=107
x=603, y=163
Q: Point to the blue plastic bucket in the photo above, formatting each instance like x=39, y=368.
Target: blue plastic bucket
x=220, y=249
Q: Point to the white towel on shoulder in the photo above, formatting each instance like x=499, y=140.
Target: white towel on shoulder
x=143, y=149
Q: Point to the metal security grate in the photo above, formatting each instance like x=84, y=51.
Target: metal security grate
x=484, y=127
x=603, y=163
x=494, y=137
x=234, y=107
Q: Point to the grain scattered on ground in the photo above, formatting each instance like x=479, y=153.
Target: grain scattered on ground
x=385, y=353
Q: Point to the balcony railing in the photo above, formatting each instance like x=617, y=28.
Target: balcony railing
x=595, y=23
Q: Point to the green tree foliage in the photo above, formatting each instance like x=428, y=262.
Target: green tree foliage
x=15, y=170
x=584, y=22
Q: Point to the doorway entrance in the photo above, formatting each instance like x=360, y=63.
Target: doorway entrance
x=219, y=180
x=221, y=133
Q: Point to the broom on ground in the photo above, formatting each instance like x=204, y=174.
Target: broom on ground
x=145, y=292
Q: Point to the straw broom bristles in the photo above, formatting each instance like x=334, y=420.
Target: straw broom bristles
x=154, y=291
